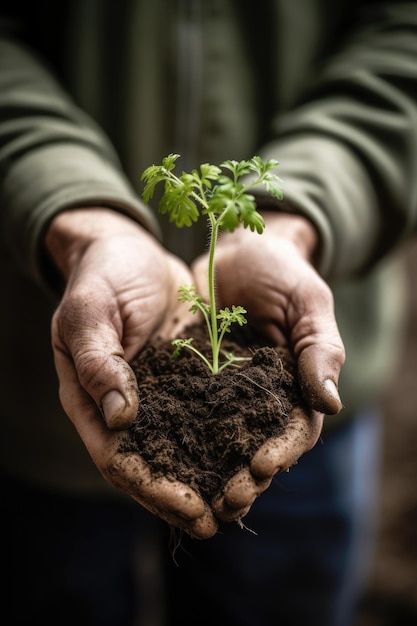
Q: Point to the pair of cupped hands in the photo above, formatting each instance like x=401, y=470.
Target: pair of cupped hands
x=122, y=290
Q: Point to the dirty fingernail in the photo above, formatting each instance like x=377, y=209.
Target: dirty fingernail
x=113, y=405
x=333, y=392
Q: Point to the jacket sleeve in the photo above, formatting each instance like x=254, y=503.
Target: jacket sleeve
x=52, y=157
x=348, y=152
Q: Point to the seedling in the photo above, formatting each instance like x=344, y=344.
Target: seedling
x=224, y=199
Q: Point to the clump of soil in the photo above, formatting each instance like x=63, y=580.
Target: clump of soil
x=201, y=428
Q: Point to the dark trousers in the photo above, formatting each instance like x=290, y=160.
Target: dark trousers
x=308, y=561
x=300, y=560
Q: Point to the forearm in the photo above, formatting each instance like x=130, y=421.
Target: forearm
x=348, y=155
x=52, y=156
x=71, y=232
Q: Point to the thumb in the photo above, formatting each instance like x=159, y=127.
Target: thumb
x=101, y=371
x=118, y=400
x=318, y=373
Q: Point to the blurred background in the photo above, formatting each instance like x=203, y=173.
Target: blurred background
x=391, y=597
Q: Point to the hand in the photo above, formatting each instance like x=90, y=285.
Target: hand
x=172, y=501
x=274, y=279
x=276, y=455
x=121, y=289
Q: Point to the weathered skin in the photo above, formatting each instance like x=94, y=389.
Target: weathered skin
x=121, y=289
x=276, y=455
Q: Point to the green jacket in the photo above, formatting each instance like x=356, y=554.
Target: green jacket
x=329, y=89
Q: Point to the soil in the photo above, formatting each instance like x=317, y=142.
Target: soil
x=201, y=428
x=390, y=597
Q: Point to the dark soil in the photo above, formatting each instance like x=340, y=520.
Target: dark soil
x=202, y=428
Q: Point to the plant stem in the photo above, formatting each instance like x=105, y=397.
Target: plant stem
x=212, y=326
x=212, y=294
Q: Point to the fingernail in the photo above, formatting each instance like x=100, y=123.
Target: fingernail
x=333, y=391
x=112, y=405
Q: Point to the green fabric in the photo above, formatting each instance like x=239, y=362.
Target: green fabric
x=329, y=89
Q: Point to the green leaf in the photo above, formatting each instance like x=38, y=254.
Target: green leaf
x=273, y=185
x=168, y=162
x=261, y=167
x=151, y=176
x=156, y=174
x=228, y=316
x=238, y=168
x=230, y=218
x=220, y=193
x=187, y=293
x=254, y=221
x=179, y=344
x=181, y=208
x=209, y=173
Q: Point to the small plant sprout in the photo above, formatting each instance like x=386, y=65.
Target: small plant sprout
x=225, y=200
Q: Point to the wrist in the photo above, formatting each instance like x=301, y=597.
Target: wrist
x=291, y=228
x=72, y=231
x=296, y=229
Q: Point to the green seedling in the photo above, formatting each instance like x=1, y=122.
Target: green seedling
x=221, y=194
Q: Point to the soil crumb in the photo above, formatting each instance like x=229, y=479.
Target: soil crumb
x=202, y=428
